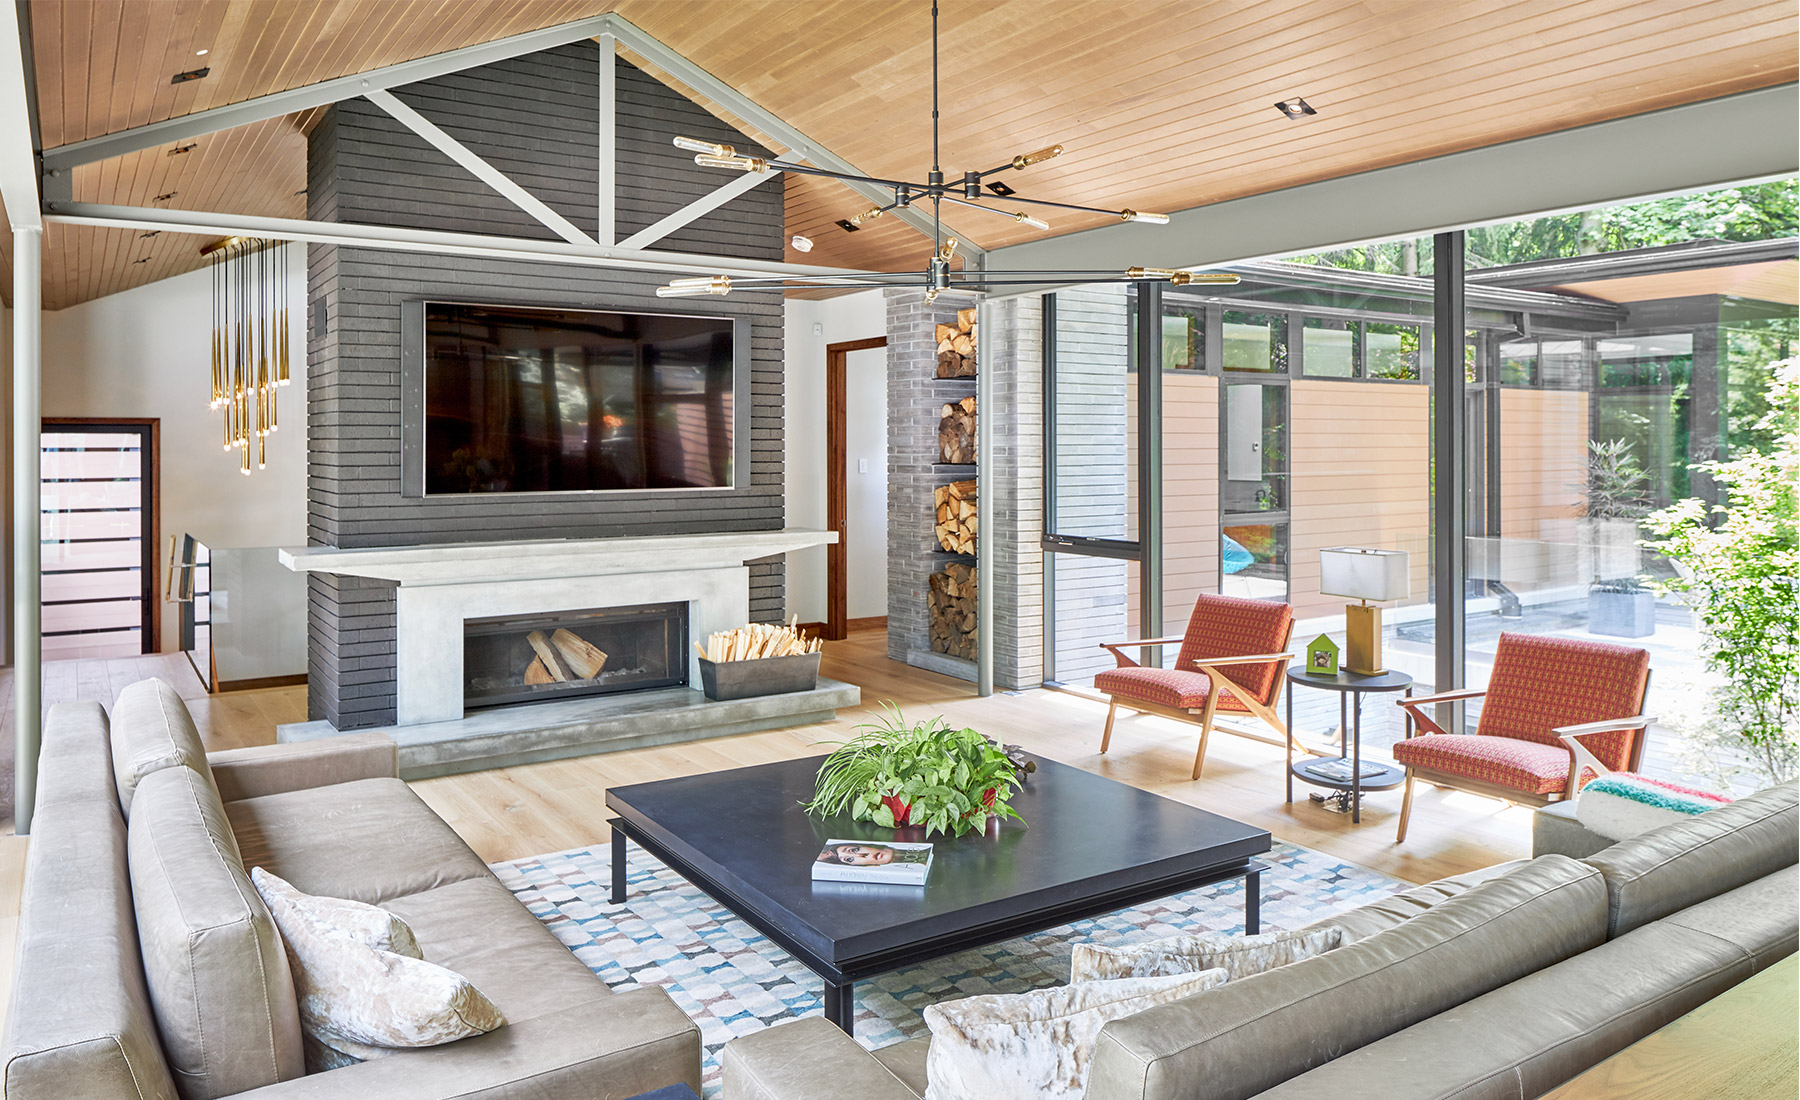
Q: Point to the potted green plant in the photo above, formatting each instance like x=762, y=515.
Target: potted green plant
x=923, y=774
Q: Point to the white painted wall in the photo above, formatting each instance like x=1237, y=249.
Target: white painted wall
x=810, y=325
x=147, y=352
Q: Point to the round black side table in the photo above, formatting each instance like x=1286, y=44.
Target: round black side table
x=1350, y=688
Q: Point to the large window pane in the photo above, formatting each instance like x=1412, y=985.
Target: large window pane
x=1095, y=415
x=1631, y=364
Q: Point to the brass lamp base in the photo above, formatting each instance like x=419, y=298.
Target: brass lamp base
x=1362, y=639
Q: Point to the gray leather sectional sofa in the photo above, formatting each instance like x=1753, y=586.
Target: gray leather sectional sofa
x=144, y=971
x=1499, y=984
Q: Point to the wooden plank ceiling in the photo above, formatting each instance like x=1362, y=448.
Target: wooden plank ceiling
x=1160, y=104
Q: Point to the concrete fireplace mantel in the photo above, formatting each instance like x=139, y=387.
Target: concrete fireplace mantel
x=477, y=562
x=440, y=587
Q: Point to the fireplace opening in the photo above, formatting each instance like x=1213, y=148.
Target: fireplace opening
x=531, y=658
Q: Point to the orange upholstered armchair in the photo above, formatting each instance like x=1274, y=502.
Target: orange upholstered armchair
x=1232, y=657
x=1557, y=713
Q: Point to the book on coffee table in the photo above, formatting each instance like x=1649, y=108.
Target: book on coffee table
x=1339, y=771
x=890, y=862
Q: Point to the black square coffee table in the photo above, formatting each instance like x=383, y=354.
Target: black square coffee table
x=1088, y=845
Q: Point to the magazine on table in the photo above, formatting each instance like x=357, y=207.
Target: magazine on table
x=889, y=861
x=1339, y=770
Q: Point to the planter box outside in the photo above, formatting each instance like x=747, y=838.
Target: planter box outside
x=1622, y=614
x=726, y=680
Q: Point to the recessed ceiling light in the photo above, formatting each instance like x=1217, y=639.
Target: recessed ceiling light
x=1295, y=109
x=801, y=244
x=191, y=74
x=201, y=53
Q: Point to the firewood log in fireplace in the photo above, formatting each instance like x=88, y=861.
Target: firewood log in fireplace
x=582, y=657
x=536, y=674
x=546, y=654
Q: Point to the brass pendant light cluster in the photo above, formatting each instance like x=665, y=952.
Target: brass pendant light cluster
x=970, y=189
x=249, y=341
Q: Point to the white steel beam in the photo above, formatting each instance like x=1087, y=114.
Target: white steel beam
x=19, y=190
x=798, y=144
x=701, y=206
x=423, y=240
x=608, y=198
x=1747, y=136
x=477, y=167
x=320, y=94
x=18, y=172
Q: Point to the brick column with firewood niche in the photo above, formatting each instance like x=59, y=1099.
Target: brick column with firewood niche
x=933, y=518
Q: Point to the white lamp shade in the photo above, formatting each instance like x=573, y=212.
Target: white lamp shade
x=1358, y=574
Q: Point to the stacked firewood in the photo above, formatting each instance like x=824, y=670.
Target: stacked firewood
x=756, y=641
x=953, y=610
x=956, y=432
x=562, y=656
x=956, y=519
x=956, y=346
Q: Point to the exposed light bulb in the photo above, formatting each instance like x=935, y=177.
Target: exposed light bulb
x=694, y=288
x=695, y=145
x=801, y=244
x=948, y=249
x=1035, y=223
x=868, y=215
x=1141, y=216
x=1026, y=160
x=742, y=164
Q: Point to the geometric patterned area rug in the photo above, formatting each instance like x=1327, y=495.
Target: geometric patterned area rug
x=733, y=981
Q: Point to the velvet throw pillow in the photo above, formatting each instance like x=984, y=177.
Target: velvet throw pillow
x=359, y=1002
x=1030, y=1046
x=1238, y=956
x=369, y=925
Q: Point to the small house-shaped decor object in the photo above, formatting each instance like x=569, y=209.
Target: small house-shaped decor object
x=1322, y=656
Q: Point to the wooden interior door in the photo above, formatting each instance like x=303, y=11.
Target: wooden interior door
x=837, y=555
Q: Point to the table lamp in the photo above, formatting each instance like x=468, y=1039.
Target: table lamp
x=1367, y=575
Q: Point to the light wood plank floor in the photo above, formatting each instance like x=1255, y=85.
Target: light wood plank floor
x=513, y=812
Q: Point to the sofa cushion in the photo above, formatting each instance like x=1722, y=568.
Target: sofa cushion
x=80, y=1023
x=152, y=730
x=75, y=757
x=811, y=1059
x=478, y=929
x=371, y=840
x=1761, y=918
x=1664, y=870
x=1379, y=916
x=1525, y=1038
x=1248, y=1036
x=218, y=977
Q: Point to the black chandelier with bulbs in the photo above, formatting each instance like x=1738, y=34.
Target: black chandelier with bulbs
x=970, y=189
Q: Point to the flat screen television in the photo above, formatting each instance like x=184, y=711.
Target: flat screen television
x=520, y=399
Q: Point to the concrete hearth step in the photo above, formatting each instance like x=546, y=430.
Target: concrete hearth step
x=528, y=734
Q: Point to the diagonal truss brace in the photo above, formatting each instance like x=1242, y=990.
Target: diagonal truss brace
x=703, y=205
x=477, y=167
x=58, y=163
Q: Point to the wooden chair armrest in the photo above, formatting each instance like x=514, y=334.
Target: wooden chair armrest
x=1249, y=659
x=1116, y=648
x=1441, y=697
x=1635, y=722
x=1141, y=642
x=1580, y=759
